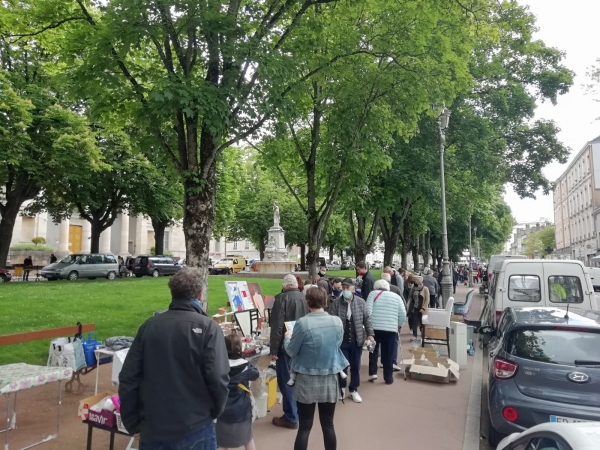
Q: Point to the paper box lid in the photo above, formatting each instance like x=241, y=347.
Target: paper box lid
x=422, y=367
x=85, y=404
x=449, y=364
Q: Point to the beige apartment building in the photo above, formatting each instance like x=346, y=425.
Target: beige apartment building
x=577, y=205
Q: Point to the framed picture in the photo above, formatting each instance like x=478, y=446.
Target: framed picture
x=239, y=295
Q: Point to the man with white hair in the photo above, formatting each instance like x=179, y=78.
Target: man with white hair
x=289, y=306
x=387, y=313
x=395, y=290
x=396, y=278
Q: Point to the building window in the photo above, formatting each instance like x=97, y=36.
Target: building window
x=235, y=245
x=166, y=240
x=247, y=245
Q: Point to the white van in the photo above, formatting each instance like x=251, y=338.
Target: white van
x=595, y=277
x=538, y=282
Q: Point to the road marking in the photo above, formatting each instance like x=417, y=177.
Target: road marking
x=472, y=427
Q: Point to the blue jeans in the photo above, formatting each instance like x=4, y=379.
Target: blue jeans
x=205, y=439
x=290, y=408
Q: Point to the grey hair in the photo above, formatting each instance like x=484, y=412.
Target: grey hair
x=388, y=268
x=387, y=277
x=186, y=284
x=289, y=280
x=381, y=285
x=309, y=286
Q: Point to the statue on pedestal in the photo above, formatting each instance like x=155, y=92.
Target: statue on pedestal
x=276, y=216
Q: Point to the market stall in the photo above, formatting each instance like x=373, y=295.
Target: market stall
x=21, y=376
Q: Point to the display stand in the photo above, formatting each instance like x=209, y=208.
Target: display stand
x=111, y=430
x=98, y=352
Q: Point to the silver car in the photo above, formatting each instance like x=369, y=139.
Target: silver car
x=544, y=367
x=88, y=265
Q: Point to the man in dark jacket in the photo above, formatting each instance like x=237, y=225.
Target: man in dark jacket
x=174, y=380
x=431, y=283
x=352, y=311
x=367, y=279
x=289, y=306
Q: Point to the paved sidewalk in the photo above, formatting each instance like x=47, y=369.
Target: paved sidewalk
x=406, y=414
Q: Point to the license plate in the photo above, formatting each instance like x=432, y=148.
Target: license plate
x=561, y=419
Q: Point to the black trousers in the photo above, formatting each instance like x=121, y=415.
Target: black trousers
x=415, y=322
x=353, y=354
x=306, y=414
x=387, y=341
x=26, y=274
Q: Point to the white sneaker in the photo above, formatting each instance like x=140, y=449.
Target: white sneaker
x=355, y=397
x=381, y=366
x=372, y=378
x=396, y=368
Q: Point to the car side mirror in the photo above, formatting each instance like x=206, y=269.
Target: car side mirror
x=487, y=330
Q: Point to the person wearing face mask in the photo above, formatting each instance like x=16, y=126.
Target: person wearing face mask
x=324, y=281
x=174, y=382
x=352, y=310
x=336, y=291
x=418, y=302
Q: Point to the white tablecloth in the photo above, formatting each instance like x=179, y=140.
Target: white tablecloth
x=17, y=377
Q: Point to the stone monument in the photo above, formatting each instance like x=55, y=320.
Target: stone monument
x=276, y=256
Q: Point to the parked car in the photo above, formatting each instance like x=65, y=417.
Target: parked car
x=544, y=367
x=348, y=265
x=595, y=277
x=376, y=265
x=155, y=266
x=555, y=436
x=229, y=265
x=334, y=265
x=83, y=265
x=542, y=282
x=5, y=276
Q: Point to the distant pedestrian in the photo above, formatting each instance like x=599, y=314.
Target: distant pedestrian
x=336, y=292
x=395, y=290
x=352, y=311
x=27, y=266
x=367, y=279
x=431, y=284
x=454, y=280
x=314, y=347
x=418, y=303
x=234, y=426
x=53, y=258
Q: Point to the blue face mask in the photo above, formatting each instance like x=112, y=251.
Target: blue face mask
x=347, y=294
x=337, y=292
x=199, y=303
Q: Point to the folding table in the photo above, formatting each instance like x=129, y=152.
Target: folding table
x=18, y=377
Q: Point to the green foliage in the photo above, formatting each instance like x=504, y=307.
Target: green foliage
x=32, y=248
x=164, y=253
x=38, y=241
x=537, y=243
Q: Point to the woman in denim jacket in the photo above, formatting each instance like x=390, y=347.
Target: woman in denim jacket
x=317, y=359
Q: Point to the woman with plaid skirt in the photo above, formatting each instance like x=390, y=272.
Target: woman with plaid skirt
x=314, y=347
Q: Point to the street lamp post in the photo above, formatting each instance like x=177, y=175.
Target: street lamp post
x=442, y=125
x=470, y=256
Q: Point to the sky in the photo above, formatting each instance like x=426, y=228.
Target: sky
x=570, y=26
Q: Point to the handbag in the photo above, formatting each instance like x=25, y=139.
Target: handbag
x=66, y=352
x=252, y=401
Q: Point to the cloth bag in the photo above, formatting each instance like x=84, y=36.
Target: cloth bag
x=66, y=352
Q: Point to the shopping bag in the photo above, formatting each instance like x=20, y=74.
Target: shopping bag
x=66, y=352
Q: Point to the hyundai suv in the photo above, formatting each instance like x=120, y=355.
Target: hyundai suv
x=544, y=367
x=155, y=266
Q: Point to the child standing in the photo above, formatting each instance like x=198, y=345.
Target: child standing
x=234, y=426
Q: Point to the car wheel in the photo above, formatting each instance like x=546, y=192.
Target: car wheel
x=494, y=437
x=2, y=279
x=155, y=273
x=73, y=276
x=111, y=275
x=230, y=272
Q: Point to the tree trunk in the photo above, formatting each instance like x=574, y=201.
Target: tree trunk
x=415, y=255
x=7, y=225
x=331, y=248
x=261, y=249
x=159, y=235
x=425, y=250
x=95, y=236
x=303, y=257
x=404, y=256
x=363, y=241
x=198, y=220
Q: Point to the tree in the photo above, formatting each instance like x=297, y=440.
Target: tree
x=536, y=244
x=41, y=140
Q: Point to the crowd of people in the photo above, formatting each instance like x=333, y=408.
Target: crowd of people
x=185, y=385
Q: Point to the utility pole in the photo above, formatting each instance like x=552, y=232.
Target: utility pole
x=470, y=256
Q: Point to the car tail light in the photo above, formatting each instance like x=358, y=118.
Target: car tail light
x=503, y=369
x=510, y=414
x=148, y=266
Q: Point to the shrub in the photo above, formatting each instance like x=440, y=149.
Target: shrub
x=39, y=241
x=165, y=253
x=32, y=248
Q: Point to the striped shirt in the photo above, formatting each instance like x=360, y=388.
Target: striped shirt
x=387, y=310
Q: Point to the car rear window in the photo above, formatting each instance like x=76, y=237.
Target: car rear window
x=142, y=260
x=524, y=288
x=565, y=289
x=554, y=346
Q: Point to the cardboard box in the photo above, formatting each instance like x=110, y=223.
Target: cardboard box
x=435, y=333
x=104, y=418
x=86, y=403
x=421, y=352
x=456, y=318
x=436, y=370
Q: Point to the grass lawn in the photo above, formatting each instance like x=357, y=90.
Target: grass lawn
x=117, y=307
